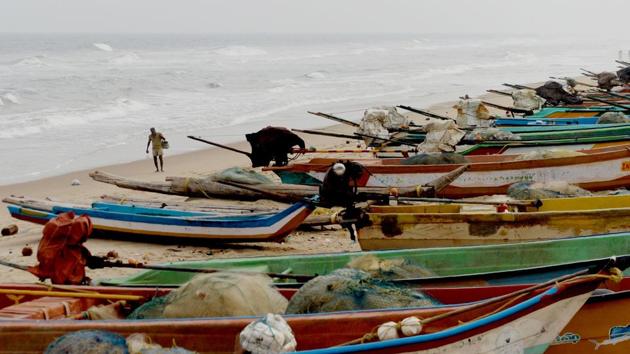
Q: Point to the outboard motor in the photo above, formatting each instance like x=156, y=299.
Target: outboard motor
x=555, y=95
x=272, y=144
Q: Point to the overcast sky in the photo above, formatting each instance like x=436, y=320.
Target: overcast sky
x=315, y=16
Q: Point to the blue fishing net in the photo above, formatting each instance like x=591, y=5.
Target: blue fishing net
x=88, y=342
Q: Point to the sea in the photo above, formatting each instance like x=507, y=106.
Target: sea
x=75, y=101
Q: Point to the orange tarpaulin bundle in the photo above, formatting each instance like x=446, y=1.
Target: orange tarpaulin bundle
x=61, y=254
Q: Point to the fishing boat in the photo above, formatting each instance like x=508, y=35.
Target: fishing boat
x=515, y=147
x=540, y=312
x=527, y=121
x=595, y=170
x=535, y=133
x=111, y=220
x=573, y=112
x=446, y=225
x=511, y=263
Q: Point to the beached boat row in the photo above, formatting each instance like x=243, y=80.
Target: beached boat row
x=540, y=275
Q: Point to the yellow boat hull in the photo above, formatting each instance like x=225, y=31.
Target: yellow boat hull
x=423, y=226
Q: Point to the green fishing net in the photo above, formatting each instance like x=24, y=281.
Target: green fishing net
x=351, y=289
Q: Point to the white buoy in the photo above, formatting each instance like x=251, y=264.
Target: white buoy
x=75, y=182
x=411, y=326
x=388, y=330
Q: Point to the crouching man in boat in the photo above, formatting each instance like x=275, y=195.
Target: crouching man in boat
x=158, y=141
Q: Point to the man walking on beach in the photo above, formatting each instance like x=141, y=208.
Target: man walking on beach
x=157, y=139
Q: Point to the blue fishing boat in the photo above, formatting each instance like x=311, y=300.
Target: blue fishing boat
x=115, y=220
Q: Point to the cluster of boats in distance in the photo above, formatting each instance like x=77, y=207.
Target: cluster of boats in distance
x=543, y=274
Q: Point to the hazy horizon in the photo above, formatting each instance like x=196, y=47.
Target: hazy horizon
x=542, y=17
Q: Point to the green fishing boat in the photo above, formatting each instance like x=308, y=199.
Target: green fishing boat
x=519, y=260
x=573, y=112
x=542, y=133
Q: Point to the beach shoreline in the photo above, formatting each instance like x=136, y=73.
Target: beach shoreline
x=195, y=163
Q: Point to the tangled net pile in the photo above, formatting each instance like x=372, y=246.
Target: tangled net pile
x=216, y=295
x=351, y=289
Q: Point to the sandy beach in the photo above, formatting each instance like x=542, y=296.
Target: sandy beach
x=197, y=163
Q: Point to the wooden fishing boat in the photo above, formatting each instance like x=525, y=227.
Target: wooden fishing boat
x=43, y=313
x=446, y=225
x=110, y=220
x=599, y=169
x=474, y=265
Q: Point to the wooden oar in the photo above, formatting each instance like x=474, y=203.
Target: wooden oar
x=612, y=94
x=424, y=113
x=511, y=109
x=13, y=265
x=624, y=63
x=42, y=293
x=342, y=151
x=577, y=82
x=220, y=145
x=503, y=93
x=357, y=136
x=334, y=135
x=518, y=87
x=103, y=263
x=98, y=263
x=626, y=108
x=396, y=141
x=588, y=73
x=334, y=118
x=534, y=203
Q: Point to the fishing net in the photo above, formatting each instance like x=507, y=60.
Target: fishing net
x=472, y=113
x=555, y=189
x=241, y=175
x=378, y=121
x=350, y=289
x=270, y=334
x=613, y=117
x=444, y=158
x=88, y=342
x=527, y=99
x=139, y=343
x=491, y=134
x=217, y=295
x=548, y=154
x=397, y=268
x=153, y=308
x=442, y=136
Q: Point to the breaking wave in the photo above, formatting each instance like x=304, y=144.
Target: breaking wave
x=36, y=61
x=129, y=58
x=103, y=46
x=239, y=51
x=36, y=122
x=316, y=75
